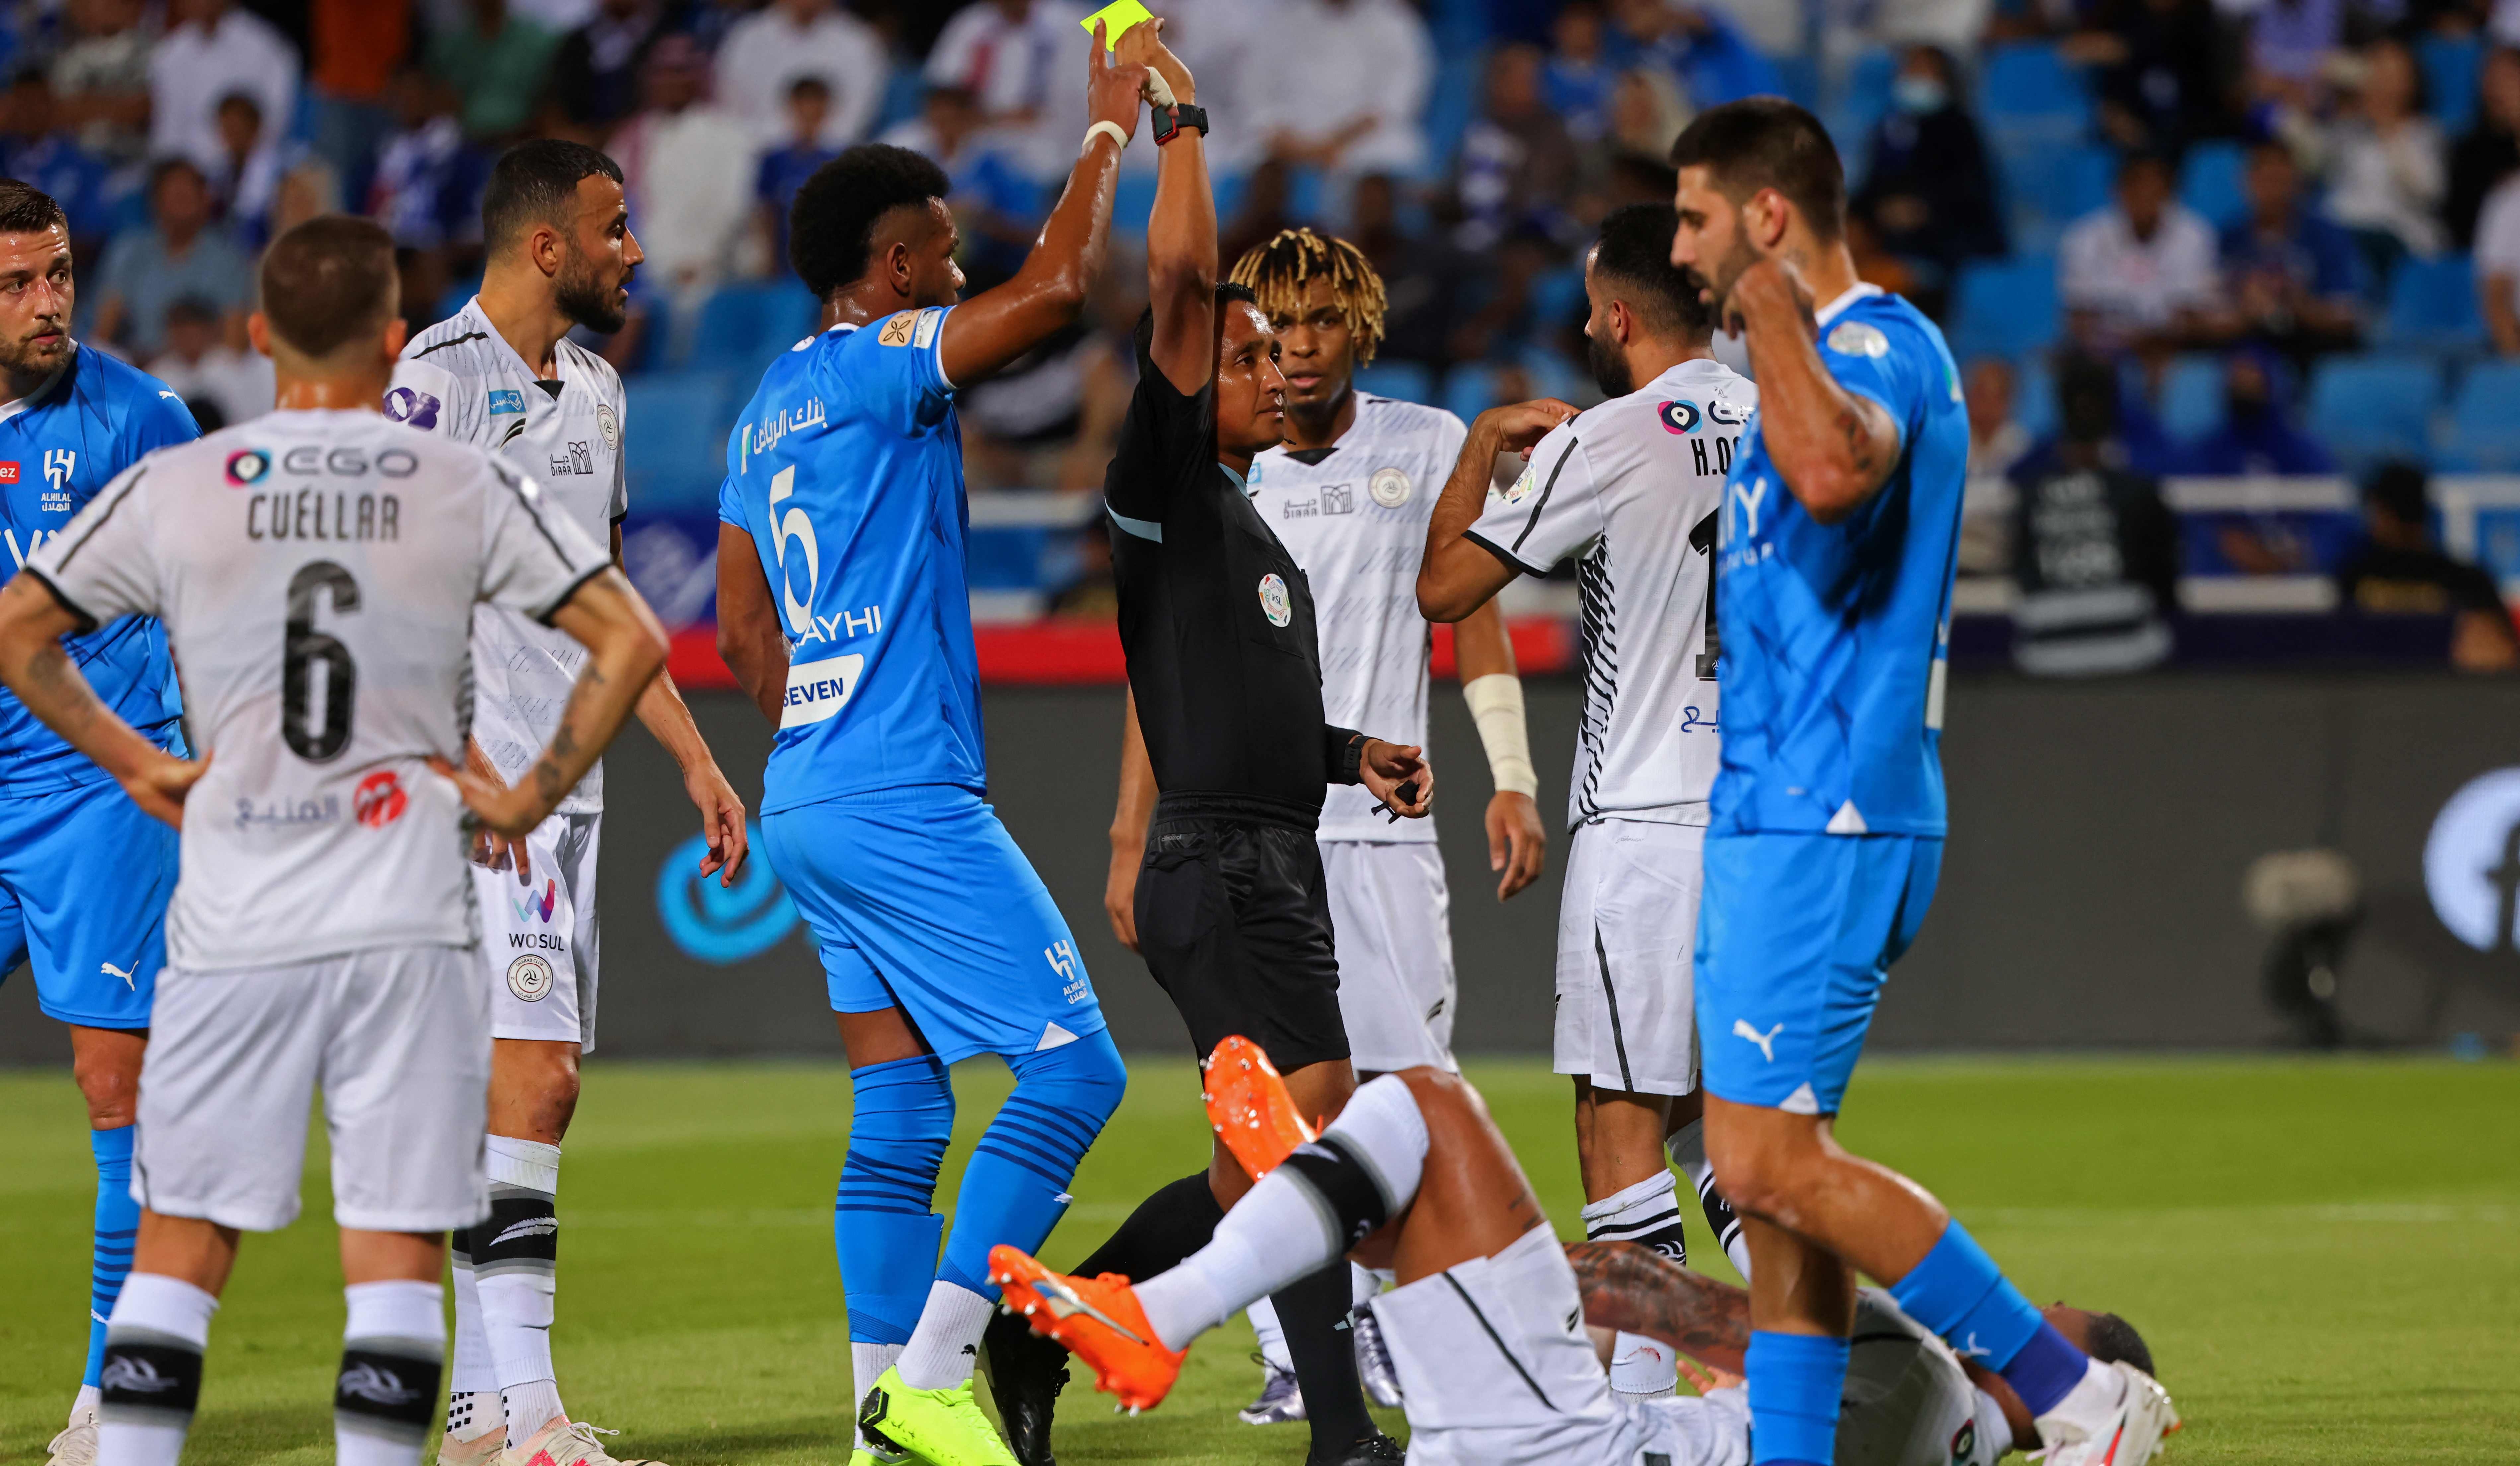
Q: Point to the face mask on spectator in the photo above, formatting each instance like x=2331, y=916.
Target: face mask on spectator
x=1919, y=94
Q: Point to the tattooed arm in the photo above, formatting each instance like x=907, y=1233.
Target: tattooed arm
x=625, y=647
x=1638, y=1291
x=1833, y=447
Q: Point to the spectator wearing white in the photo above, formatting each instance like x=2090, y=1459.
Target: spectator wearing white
x=2498, y=264
x=101, y=78
x=2138, y=270
x=688, y=167
x=218, y=384
x=765, y=53
x=1211, y=37
x=211, y=49
x=1341, y=85
x=1015, y=57
x=2387, y=168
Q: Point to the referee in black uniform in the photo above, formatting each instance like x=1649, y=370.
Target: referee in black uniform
x=1226, y=688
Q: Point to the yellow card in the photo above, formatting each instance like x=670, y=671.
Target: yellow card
x=1116, y=17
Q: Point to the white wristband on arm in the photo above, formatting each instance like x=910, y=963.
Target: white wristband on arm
x=1119, y=135
x=1496, y=704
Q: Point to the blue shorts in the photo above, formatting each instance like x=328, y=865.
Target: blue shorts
x=919, y=897
x=84, y=880
x=1795, y=937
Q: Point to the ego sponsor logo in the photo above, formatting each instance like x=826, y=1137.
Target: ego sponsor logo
x=312, y=460
x=380, y=800
x=244, y=466
x=2472, y=862
x=1679, y=416
x=722, y=925
x=530, y=976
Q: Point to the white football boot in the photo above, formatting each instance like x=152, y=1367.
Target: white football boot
x=2117, y=1416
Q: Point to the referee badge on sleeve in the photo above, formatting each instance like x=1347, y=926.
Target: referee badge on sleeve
x=1274, y=603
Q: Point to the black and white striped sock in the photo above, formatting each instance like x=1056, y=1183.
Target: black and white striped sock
x=1648, y=1214
x=393, y=1360
x=153, y=1369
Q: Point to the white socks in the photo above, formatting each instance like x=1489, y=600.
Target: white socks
x=1362, y=1171
x=153, y=1370
x=1687, y=1147
x=946, y=1342
x=867, y=1365
x=393, y=1350
x=1646, y=1213
x=505, y=1299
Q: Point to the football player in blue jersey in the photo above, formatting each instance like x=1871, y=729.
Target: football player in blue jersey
x=84, y=875
x=843, y=610
x=1833, y=587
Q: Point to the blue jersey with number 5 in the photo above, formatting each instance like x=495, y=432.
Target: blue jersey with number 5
x=1836, y=635
x=846, y=470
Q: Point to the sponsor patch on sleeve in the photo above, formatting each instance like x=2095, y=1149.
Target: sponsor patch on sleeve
x=507, y=399
x=923, y=335
x=897, y=327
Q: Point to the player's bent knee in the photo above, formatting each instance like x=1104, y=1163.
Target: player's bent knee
x=1086, y=1078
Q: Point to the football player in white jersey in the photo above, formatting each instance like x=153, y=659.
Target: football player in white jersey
x=501, y=374
x=1348, y=494
x=1630, y=492
x=316, y=571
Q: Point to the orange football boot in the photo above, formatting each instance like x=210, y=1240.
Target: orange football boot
x=1098, y=1319
x=1250, y=1107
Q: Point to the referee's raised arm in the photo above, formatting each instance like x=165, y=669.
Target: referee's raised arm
x=996, y=326
x=1182, y=268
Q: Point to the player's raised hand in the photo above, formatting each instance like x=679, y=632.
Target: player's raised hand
x=491, y=851
x=1771, y=292
x=1706, y=1379
x=1113, y=89
x=1397, y=774
x=159, y=785
x=1518, y=841
x=506, y=809
x=721, y=820
x=1143, y=44
x=1519, y=426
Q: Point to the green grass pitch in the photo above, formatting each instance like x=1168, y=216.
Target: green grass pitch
x=2325, y=1255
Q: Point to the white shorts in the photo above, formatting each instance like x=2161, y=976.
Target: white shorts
x=539, y=941
x=1627, y=936
x=1391, y=922
x=1498, y=1370
x=399, y=1042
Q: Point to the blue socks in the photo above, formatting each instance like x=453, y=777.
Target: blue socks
x=1015, y=1189
x=117, y=1232
x=881, y=1226
x=1958, y=1292
x=1795, y=1380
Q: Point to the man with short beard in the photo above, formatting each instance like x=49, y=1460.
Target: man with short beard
x=500, y=374
x=85, y=875
x=1628, y=491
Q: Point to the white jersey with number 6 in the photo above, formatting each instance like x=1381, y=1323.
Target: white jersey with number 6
x=317, y=574
x=1629, y=490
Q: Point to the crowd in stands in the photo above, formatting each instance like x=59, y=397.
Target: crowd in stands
x=2287, y=231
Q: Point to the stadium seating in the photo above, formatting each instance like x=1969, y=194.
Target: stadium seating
x=2192, y=398
x=1863, y=94
x=2210, y=181
x=2051, y=189
x=1404, y=379
x=682, y=419
x=2367, y=408
x=2451, y=64
x=2483, y=432
x=743, y=326
x=2432, y=306
x=2006, y=308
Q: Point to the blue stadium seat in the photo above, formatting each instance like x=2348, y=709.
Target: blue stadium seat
x=2051, y=189
x=2484, y=432
x=2432, y=305
x=2451, y=64
x=741, y=327
x=1404, y=379
x=2006, y=308
x=1469, y=391
x=2192, y=398
x=2210, y=180
x=681, y=421
x=2367, y=408
x=2031, y=80
x=2034, y=399
x=1859, y=99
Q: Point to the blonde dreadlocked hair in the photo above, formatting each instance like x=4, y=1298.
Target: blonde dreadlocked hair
x=1279, y=270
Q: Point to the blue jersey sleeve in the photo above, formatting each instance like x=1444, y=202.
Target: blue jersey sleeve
x=894, y=371
x=730, y=502
x=158, y=421
x=1893, y=367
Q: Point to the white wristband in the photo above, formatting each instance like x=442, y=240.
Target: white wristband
x=1496, y=705
x=1119, y=133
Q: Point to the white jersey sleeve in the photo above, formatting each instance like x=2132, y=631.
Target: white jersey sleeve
x=428, y=396
x=102, y=565
x=533, y=559
x=1553, y=509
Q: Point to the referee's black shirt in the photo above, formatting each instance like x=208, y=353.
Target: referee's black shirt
x=1217, y=622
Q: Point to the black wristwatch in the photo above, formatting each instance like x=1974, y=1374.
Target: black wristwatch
x=1169, y=122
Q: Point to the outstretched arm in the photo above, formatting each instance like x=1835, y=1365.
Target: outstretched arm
x=1833, y=447
x=1137, y=806
x=34, y=665
x=1459, y=577
x=1181, y=233
x=1637, y=1290
x=997, y=326
x=667, y=716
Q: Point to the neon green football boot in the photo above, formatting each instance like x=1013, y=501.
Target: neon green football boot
x=941, y=1427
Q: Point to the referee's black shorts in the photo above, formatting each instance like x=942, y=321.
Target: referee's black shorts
x=1234, y=920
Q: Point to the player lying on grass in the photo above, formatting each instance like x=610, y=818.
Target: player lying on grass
x=1487, y=1328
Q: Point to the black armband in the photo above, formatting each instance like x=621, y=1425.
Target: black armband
x=1344, y=751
